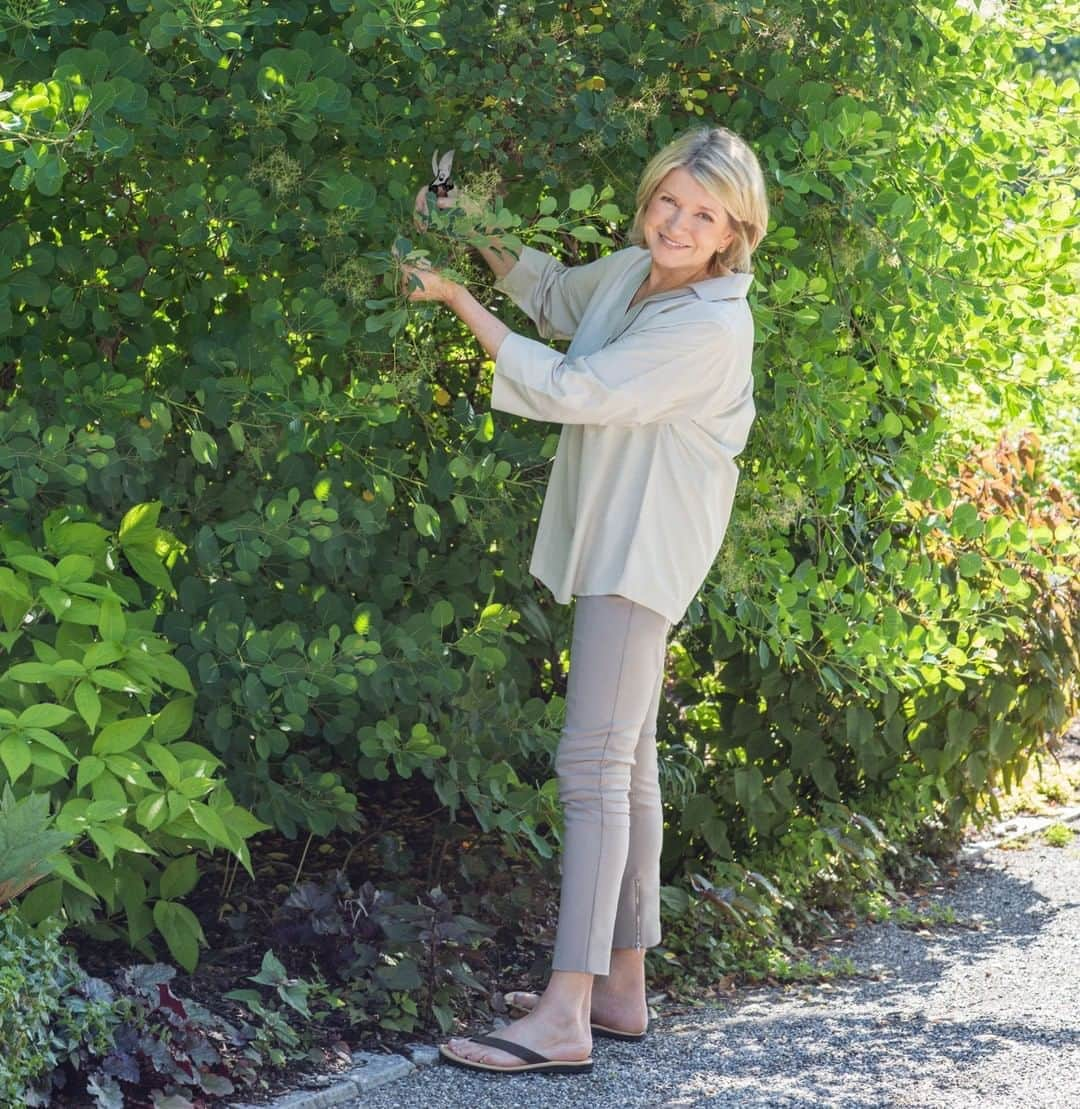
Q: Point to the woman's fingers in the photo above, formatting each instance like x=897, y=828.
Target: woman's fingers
x=420, y=214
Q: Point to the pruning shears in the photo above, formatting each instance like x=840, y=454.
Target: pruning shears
x=441, y=167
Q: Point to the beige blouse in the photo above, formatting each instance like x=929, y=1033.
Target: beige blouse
x=655, y=402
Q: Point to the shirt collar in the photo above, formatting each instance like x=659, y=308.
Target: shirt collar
x=728, y=287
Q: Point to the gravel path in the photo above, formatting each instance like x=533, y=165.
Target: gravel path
x=982, y=1014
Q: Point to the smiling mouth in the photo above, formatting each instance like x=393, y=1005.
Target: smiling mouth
x=667, y=242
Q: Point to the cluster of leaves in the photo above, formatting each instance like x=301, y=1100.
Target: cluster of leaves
x=978, y=637
x=93, y=708
x=397, y=963
x=68, y=1034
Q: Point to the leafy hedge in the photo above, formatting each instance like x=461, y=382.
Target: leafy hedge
x=75, y=725
x=200, y=316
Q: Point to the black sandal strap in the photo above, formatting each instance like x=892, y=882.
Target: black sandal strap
x=520, y=1051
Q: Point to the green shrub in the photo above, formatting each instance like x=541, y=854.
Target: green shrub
x=93, y=708
x=967, y=621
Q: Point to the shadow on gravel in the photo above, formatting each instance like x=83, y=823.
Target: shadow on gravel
x=814, y=1059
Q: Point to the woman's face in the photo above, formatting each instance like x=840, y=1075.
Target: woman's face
x=684, y=225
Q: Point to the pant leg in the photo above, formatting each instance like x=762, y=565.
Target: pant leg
x=616, y=654
x=637, y=919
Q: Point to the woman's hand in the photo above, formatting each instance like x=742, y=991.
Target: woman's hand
x=436, y=287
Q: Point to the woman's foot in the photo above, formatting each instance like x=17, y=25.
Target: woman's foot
x=618, y=1000
x=618, y=1013
x=552, y=1037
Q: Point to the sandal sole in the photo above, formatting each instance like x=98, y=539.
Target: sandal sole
x=552, y=1067
x=614, y=1034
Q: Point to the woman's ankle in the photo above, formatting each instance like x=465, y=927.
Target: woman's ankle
x=626, y=975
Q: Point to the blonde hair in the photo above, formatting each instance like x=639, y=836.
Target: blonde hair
x=724, y=165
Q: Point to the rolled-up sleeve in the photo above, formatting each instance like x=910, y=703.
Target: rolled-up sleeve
x=553, y=295
x=665, y=371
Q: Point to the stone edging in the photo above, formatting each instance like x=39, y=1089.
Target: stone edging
x=1017, y=827
x=368, y=1071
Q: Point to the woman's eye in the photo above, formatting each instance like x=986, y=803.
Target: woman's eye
x=707, y=216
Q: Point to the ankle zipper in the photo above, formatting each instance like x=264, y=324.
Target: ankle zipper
x=637, y=915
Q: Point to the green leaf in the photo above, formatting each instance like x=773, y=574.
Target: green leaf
x=104, y=842
x=33, y=672
x=50, y=175
x=149, y=567
x=102, y=654
x=403, y=975
x=139, y=525
x=22, y=178
x=165, y=761
x=172, y=671
x=211, y=823
x=204, y=448
x=112, y=626
x=182, y=932
x=44, y=716
x=174, y=720
x=890, y=425
x=35, y=565
x=180, y=877
x=50, y=740
x=26, y=839
x=582, y=197
x=74, y=568
x=15, y=752
x=969, y=564
x=114, y=679
x=442, y=613
x=90, y=768
x=426, y=520
x=272, y=972
x=586, y=234
x=121, y=735
x=242, y=823
x=130, y=841
x=151, y=812
x=88, y=703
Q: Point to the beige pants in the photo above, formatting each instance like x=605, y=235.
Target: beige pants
x=608, y=785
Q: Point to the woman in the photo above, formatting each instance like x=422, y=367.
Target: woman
x=655, y=399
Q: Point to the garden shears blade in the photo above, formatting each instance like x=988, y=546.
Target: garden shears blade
x=441, y=167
